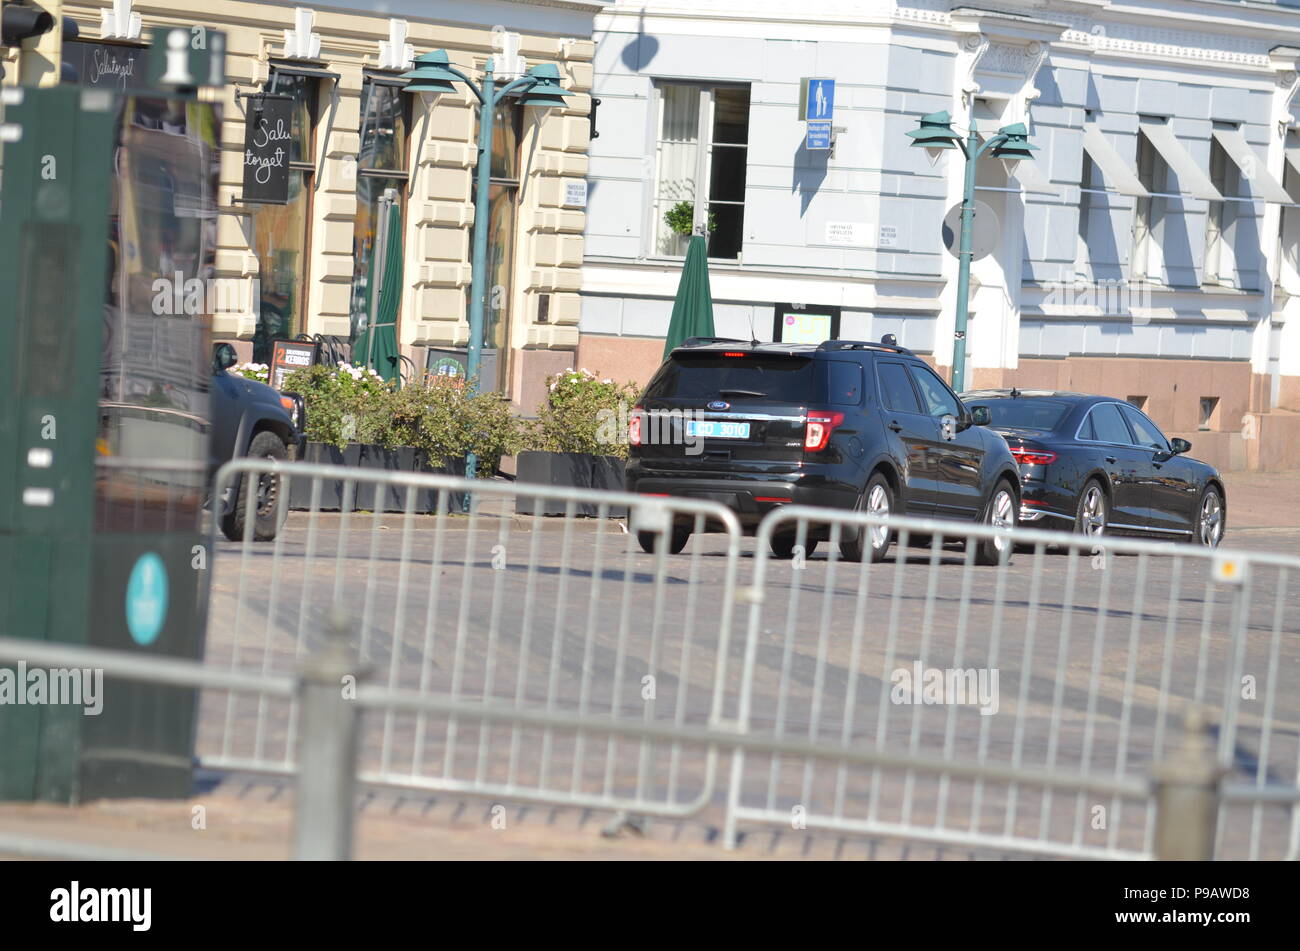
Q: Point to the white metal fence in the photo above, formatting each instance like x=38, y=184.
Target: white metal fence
x=1066, y=659
x=1036, y=706
x=562, y=615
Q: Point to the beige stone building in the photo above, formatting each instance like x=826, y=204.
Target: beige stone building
x=301, y=267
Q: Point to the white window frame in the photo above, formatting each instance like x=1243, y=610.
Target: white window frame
x=703, y=165
x=1147, y=262
x=1217, y=220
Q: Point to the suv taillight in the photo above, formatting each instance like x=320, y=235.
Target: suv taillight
x=634, y=427
x=820, y=426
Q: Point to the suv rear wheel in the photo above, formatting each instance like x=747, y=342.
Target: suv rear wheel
x=269, y=507
x=877, y=499
x=676, y=540
x=782, y=545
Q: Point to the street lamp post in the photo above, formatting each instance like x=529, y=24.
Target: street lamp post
x=540, y=86
x=1011, y=144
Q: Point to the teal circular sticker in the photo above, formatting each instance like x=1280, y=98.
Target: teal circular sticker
x=146, y=598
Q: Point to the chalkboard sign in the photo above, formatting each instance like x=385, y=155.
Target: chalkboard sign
x=106, y=65
x=268, y=129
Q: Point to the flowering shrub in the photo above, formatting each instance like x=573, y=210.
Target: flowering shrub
x=439, y=414
x=252, y=371
x=341, y=401
x=434, y=413
x=583, y=413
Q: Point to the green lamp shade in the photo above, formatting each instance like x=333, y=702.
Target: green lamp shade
x=547, y=91
x=431, y=74
x=429, y=85
x=546, y=72
x=1017, y=146
x=536, y=97
x=935, y=132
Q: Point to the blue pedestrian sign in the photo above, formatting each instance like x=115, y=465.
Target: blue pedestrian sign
x=821, y=100
x=146, y=599
x=819, y=135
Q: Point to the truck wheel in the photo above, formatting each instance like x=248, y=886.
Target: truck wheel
x=269, y=508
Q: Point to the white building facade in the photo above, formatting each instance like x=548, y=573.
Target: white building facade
x=1149, y=252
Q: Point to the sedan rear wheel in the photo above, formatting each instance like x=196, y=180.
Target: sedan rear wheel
x=1211, y=519
x=1001, y=514
x=1091, y=517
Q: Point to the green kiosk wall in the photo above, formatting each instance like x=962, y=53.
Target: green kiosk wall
x=104, y=423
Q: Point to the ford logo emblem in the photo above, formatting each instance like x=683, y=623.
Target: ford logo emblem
x=719, y=405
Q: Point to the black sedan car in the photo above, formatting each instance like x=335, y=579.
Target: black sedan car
x=1098, y=465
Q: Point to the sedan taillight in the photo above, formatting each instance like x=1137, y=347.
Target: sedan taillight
x=820, y=427
x=1033, y=457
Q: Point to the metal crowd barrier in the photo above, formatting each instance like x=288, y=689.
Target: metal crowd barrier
x=328, y=751
x=559, y=615
x=1085, y=664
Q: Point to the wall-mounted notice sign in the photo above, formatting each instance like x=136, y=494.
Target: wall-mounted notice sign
x=575, y=193
x=268, y=128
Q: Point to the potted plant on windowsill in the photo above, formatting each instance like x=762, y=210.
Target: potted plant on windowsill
x=681, y=218
x=579, y=440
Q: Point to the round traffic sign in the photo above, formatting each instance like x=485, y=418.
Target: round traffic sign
x=983, y=232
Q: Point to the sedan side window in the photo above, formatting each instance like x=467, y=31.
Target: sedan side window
x=1108, y=425
x=938, y=398
x=896, y=389
x=1147, y=433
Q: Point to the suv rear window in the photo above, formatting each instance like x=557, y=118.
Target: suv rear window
x=771, y=378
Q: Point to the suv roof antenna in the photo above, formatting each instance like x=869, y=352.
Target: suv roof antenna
x=753, y=337
x=1015, y=393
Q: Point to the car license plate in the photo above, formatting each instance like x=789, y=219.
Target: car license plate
x=716, y=429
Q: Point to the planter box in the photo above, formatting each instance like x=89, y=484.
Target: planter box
x=369, y=496
x=574, y=470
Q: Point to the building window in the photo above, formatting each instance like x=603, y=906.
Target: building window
x=1218, y=265
x=381, y=165
x=280, y=231
x=701, y=159
x=1148, y=211
x=1209, y=406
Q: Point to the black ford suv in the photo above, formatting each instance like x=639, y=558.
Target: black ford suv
x=846, y=424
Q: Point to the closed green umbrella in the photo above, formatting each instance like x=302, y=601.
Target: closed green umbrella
x=693, y=308
x=376, y=346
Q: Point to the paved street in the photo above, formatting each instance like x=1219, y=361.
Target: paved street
x=510, y=609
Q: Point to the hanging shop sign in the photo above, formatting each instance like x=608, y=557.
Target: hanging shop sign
x=106, y=65
x=268, y=128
